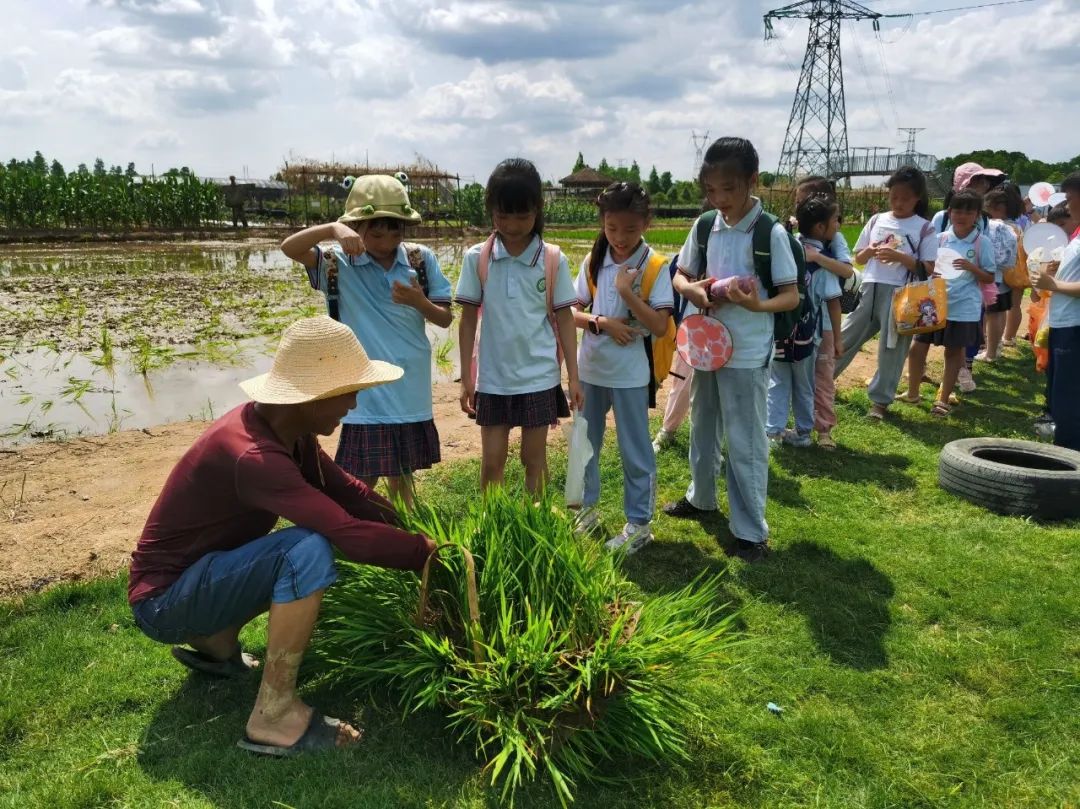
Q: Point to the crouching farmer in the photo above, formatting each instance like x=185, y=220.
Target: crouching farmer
x=209, y=560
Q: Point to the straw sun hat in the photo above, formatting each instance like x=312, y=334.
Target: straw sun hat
x=318, y=358
x=378, y=196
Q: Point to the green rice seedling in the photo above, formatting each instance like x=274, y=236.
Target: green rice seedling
x=566, y=665
x=145, y=356
x=76, y=388
x=105, y=345
x=443, y=360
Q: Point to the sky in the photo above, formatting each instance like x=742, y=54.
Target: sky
x=241, y=86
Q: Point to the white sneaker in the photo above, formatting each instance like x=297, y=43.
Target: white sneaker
x=663, y=440
x=631, y=539
x=586, y=521
x=982, y=356
x=964, y=380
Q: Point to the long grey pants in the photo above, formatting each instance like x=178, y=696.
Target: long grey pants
x=873, y=316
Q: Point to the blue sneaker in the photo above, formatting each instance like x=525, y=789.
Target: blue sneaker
x=797, y=439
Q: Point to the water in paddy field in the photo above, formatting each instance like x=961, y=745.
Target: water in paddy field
x=104, y=337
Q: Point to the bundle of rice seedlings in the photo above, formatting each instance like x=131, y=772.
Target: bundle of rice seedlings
x=565, y=665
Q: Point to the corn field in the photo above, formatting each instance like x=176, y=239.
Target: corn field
x=36, y=196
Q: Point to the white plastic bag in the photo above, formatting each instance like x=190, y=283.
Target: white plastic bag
x=579, y=452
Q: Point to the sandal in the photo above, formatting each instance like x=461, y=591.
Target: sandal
x=907, y=398
x=1009, y=343
x=321, y=735
x=877, y=412
x=239, y=664
x=826, y=441
x=940, y=410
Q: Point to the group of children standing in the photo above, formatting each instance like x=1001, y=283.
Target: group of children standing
x=521, y=310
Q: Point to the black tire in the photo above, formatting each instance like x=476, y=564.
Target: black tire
x=1009, y=476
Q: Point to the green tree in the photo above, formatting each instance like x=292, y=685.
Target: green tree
x=99, y=168
x=56, y=170
x=635, y=172
x=40, y=167
x=652, y=185
x=767, y=179
x=665, y=181
x=604, y=168
x=579, y=164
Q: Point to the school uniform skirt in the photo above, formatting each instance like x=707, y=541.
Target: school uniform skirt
x=387, y=450
x=539, y=409
x=956, y=334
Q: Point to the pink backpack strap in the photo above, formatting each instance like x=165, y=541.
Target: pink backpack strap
x=484, y=262
x=552, y=261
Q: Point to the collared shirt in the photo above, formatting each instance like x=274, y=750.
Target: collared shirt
x=822, y=286
x=731, y=253
x=393, y=332
x=602, y=361
x=1065, y=309
x=965, y=296
x=517, y=344
x=916, y=238
x=234, y=483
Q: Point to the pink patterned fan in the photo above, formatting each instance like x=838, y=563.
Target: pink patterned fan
x=704, y=343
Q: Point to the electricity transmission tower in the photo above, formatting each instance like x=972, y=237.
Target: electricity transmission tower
x=816, y=137
x=700, y=142
x=911, y=131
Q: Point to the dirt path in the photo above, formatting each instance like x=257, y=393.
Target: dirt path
x=74, y=510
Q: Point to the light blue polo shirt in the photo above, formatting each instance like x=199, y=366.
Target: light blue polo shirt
x=822, y=287
x=1065, y=309
x=731, y=253
x=965, y=296
x=517, y=343
x=388, y=331
x=602, y=361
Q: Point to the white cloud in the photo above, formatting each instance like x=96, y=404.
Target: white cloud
x=216, y=84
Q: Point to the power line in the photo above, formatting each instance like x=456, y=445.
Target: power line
x=962, y=8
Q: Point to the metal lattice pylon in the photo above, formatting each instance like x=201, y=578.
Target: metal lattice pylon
x=816, y=137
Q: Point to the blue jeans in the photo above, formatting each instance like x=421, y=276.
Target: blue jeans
x=228, y=588
x=1065, y=382
x=635, y=448
x=729, y=404
x=791, y=387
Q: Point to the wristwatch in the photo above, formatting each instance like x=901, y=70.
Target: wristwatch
x=594, y=324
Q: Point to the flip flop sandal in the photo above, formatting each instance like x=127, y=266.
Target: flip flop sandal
x=940, y=410
x=320, y=736
x=876, y=413
x=240, y=664
x=906, y=399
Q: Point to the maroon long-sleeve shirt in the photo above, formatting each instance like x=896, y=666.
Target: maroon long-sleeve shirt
x=233, y=484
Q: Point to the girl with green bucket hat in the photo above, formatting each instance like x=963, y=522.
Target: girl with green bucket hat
x=386, y=290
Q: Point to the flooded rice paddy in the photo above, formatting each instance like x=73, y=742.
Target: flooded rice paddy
x=98, y=338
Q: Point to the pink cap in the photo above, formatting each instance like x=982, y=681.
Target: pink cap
x=967, y=172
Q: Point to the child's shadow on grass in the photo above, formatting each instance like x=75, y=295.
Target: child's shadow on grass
x=845, y=600
x=400, y=762
x=844, y=464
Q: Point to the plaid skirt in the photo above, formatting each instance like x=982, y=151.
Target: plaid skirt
x=540, y=409
x=956, y=334
x=387, y=450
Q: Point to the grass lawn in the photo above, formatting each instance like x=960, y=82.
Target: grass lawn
x=925, y=654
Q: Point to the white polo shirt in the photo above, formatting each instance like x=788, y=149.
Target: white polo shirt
x=731, y=253
x=602, y=361
x=517, y=343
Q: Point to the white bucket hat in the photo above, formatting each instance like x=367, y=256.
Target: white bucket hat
x=318, y=358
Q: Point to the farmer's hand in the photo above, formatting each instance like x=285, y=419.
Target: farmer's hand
x=468, y=393
x=351, y=241
x=617, y=329
x=411, y=295
x=964, y=264
x=624, y=280
x=747, y=300
x=697, y=293
x=577, y=396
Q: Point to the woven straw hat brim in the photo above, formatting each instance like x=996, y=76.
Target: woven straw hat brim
x=272, y=389
x=356, y=216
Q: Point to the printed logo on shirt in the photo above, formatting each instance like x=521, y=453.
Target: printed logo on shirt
x=971, y=253
x=541, y=285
